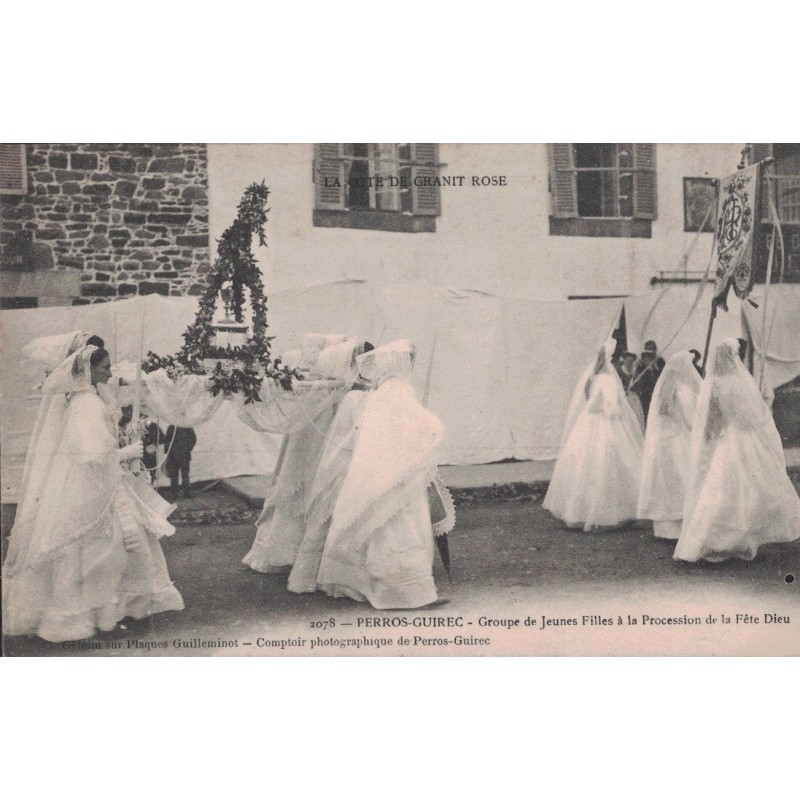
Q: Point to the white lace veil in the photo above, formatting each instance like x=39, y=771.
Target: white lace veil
x=729, y=397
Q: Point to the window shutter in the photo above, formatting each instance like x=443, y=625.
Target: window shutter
x=644, y=181
x=425, y=200
x=13, y=173
x=563, y=181
x=329, y=177
x=758, y=152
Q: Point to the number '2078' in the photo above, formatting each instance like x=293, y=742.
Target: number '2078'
x=323, y=624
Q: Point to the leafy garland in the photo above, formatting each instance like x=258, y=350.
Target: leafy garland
x=235, y=265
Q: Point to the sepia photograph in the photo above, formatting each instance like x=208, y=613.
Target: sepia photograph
x=400, y=399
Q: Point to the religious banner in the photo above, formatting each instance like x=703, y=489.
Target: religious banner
x=736, y=218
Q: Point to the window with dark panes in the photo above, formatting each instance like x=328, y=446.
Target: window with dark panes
x=781, y=178
x=602, y=189
x=392, y=187
x=781, y=186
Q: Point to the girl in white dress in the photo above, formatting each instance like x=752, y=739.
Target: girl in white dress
x=328, y=479
x=738, y=496
x=596, y=478
x=380, y=544
x=281, y=525
x=665, y=465
x=84, y=554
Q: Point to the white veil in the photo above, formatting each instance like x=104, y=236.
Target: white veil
x=50, y=351
x=73, y=374
x=396, y=440
x=47, y=428
x=666, y=445
x=47, y=518
x=580, y=395
x=729, y=396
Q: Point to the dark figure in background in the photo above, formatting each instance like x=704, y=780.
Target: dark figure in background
x=150, y=439
x=646, y=375
x=180, y=443
x=743, y=350
x=626, y=366
x=151, y=436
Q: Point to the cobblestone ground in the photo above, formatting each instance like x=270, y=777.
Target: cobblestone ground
x=506, y=553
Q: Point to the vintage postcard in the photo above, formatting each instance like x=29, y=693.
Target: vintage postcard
x=400, y=399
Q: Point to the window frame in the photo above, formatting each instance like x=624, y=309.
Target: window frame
x=331, y=209
x=565, y=219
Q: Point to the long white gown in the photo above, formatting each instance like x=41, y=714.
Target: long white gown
x=665, y=465
x=85, y=554
x=328, y=479
x=380, y=546
x=739, y=496
x=281, y=526
x=595, y=482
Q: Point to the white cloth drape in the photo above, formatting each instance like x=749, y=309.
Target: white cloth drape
x=185, y=402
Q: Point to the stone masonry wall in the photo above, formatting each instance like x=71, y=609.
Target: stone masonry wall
x=132, y=217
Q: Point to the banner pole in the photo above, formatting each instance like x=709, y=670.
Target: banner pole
x=708, y=336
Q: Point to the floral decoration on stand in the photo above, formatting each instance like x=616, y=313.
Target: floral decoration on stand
x=239, y=368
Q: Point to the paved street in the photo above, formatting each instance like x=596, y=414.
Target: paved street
x=510, y=558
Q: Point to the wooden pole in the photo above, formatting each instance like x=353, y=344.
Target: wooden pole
x=427, y=390
x=708, y=337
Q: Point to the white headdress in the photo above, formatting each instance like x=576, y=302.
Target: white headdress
x=393, y=360
x=315, y=343
x=50, y=351
x=336, y=361
x=73, y=374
